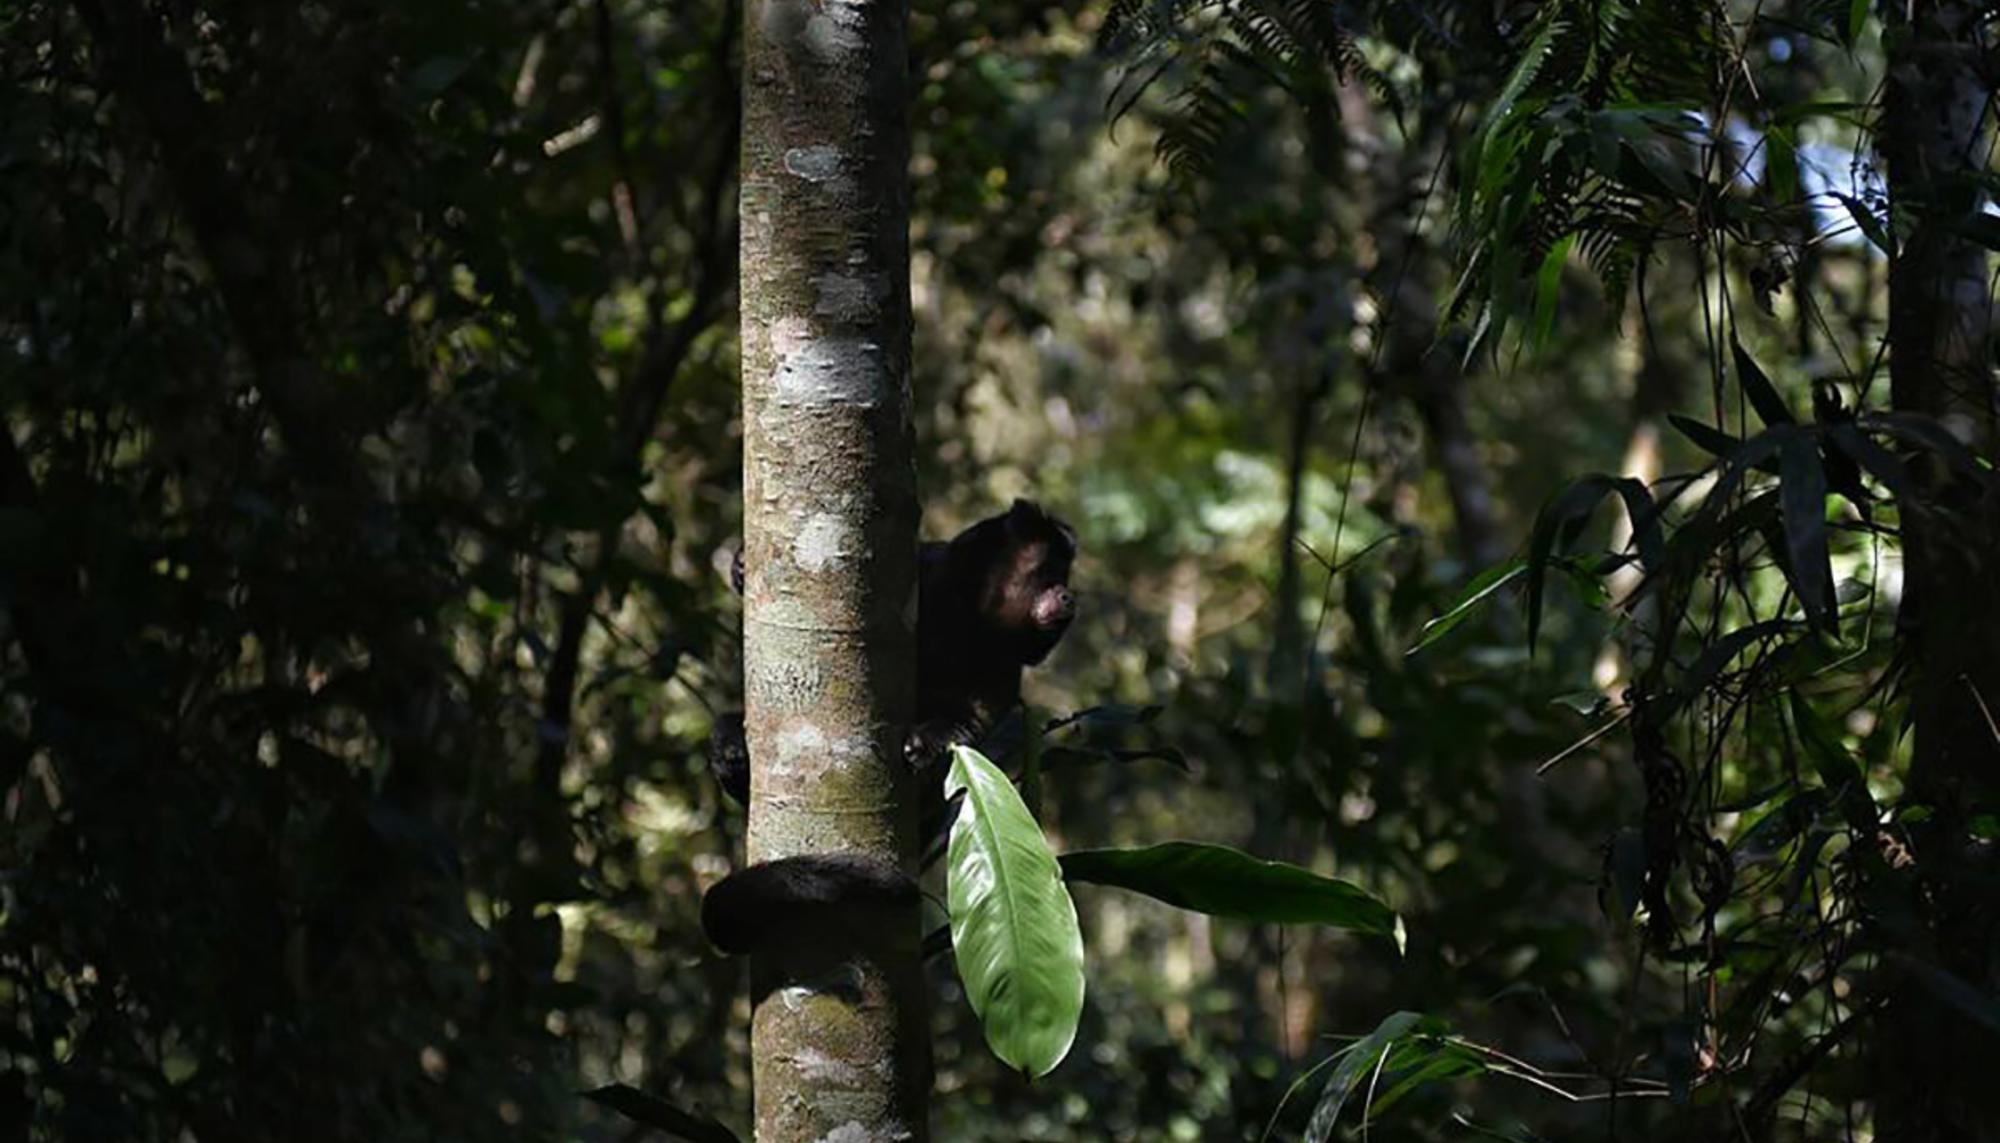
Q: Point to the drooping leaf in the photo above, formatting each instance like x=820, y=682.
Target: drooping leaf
x=1857, y=19
x=1358, y=1061
x=1225, y=882
x=1781, y=164
x=1714, y=441
x=1548, y=285
x=1014, y=931
x=1482, y=588
x=1763, y=396
x=1718, y=655
x=1871, y=226
x=1627, y=874
x=1779, y=828
x=1838, y=770
x=1927, y=433
x=1802, y=508
x=1880, y=463
x=1423, y=1059
x=1563, y=519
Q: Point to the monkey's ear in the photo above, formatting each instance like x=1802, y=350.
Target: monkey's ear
x=1024, y=515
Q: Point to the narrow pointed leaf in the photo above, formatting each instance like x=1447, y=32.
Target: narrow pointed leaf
x=1556, y=527
x=1837, y=768
x=1014, y=932
x=1482, y=588
x=1718, y=655
x=1802, y=508
x=1225, y=882
x=1871, y=226
x=1771, y=408
x=1548, y=285
x=1880, y=463
x=1927, y=433
x=1706, y=437
x=1357, y=1063
x=654, y=1112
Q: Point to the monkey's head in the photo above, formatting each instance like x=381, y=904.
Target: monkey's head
x=1020, y=563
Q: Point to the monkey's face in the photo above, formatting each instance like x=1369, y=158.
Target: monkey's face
x=1034, y=603
x=1031, y=596
x=1011, y=573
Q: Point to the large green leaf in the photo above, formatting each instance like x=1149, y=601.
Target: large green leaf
x=1224, y=882
x=1013, y=925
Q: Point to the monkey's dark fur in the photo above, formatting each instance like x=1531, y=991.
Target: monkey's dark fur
x=993, y=600
x=750, y=906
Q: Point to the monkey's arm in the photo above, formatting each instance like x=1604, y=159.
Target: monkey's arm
x=729, y=756
x=760, y=903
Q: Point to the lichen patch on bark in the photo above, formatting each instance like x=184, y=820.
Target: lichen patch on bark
x=813, y=164
x=823, y=542
x=827, y=369
x=849, y=298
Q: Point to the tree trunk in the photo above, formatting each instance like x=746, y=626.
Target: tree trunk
x=1941, y=1064
x=839, y=1041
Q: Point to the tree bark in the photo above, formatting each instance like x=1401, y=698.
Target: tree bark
x=839, y=1040
x=1940, y=1063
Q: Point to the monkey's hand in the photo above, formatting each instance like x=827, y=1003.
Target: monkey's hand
x=729, y=756
x=932, y=739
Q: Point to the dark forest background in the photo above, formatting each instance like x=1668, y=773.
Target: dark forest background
x=371, y=473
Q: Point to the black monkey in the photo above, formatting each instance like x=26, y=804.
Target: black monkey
x=993, y=600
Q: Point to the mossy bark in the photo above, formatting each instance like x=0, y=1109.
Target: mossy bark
x=839, y=1039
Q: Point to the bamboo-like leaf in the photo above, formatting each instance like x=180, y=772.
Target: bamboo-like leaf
x=1014, y=932
x=1771, y=408
x=1857, y=19
x=1559, y=522
x=1927, y=433
x=1781, y=164
x=1548, y=285
x=1837, y=768
x=1357, y=1062
x=1706, y=437
x=1482, y=588
x=1523, y=75
x=1718, y=655
x=1871, y=226
x=1225, y=882
x=1882, y=464
x=1802, y=508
